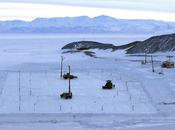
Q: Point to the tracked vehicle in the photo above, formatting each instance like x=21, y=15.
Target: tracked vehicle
x=108, y=85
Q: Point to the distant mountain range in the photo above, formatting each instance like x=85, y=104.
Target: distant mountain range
x=84, y=24
x=162, y=43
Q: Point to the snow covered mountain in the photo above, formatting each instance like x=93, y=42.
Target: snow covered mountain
x=84, y=24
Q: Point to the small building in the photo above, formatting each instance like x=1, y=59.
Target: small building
x=168, y=64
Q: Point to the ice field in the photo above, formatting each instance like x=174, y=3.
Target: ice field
x=30, y=85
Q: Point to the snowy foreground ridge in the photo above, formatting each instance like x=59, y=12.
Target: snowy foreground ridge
x=85, y=122
x=30, y=86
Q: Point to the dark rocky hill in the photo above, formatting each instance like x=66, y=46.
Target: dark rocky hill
x=163, y=43
x=85, y=45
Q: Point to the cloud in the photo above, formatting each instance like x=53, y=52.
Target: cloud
x=10, y=11
x=146, y=5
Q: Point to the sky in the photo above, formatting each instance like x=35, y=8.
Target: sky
x=124, y=9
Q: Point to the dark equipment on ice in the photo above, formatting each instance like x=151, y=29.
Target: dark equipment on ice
x=67, y=95
x=108, y=85
x=168, y=63
x=69, y=76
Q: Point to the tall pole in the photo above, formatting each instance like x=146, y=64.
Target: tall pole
x=69, y=80
x=61, y=74
x=145, y=57
x=152, y=63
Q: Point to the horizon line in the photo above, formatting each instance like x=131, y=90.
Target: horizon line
x=93, y=17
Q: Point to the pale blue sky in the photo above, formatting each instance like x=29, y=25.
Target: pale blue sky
x=136, y=9
x=156, y=5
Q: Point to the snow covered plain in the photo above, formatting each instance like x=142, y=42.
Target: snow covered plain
x=30, y=87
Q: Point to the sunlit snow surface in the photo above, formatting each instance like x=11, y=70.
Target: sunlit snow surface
x=30, y=86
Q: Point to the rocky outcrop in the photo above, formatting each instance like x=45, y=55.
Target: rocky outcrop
x=85, y=45
x=163, y=43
